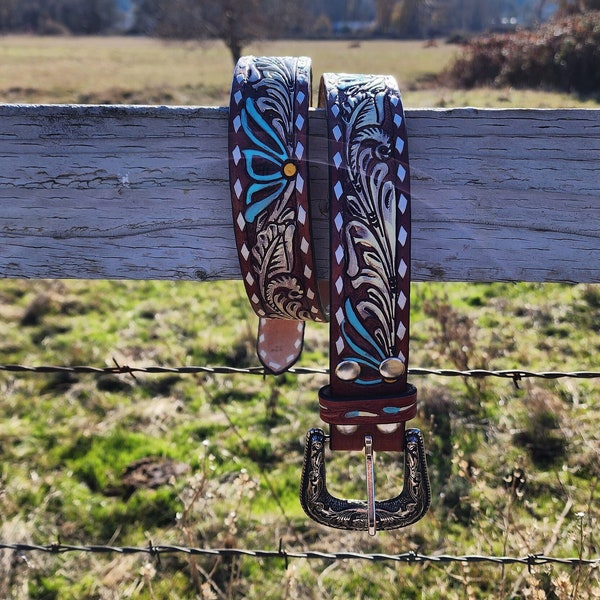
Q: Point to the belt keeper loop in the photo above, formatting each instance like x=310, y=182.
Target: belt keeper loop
x=387, y=410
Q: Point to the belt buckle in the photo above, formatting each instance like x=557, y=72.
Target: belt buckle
x=406, y=508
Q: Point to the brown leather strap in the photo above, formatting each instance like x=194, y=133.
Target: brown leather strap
x=370, y=263
x=268, y=144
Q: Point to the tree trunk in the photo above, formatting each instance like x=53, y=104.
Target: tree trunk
x=235, y=48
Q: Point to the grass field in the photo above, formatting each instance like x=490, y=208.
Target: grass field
x=141, y=70
x=514, y=470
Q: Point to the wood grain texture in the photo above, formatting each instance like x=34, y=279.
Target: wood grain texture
x=142, y=193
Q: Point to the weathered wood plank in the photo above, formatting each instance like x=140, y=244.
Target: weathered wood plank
x=142, y=193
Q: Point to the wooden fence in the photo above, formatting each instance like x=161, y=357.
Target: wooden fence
x=134, y=192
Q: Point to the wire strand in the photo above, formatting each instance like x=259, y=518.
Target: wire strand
x=512, y=374
x=529, y=560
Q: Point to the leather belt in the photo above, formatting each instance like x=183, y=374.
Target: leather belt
x=368, y=399
x=268, y=145
x=370, y=264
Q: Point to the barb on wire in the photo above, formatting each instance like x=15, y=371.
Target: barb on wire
x=406, y=557
x=513, y=374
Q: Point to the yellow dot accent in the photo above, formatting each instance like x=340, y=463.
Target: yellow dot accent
x=289, y=169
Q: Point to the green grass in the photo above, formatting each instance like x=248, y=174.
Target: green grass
x=66, y=441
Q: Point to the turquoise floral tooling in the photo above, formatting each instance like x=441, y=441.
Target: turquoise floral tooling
x=268, y=138
x=269, y=166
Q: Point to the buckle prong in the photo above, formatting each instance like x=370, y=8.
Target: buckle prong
x=404, y=509
x=370, y=476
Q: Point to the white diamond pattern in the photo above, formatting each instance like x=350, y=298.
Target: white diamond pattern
x=299, y=150
x=249, y=278
x=337, y=160
x=304, y=246
x=335, y=109
x=339, y=345
x=300, y=97
x=402, y=236
x=307, y=271
x=402, y=269
x=237, y=96
x=301, y=215
x=299, y=122
x=299, y=183
x=398, y=120
x=399, y=144
x=339, y=221
x=237, y=155
x=401, y=172
x=244, y=251
x=337, y=133
x=339, y=315
x=338, y=189
x=401, y=300
x=241, y=221
x=339, y=285
x=237, y=187
x=402, y=203
x=401, y=331
x=237, y=123
x=339, y=254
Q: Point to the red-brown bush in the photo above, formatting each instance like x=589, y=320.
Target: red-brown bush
x=563, y=54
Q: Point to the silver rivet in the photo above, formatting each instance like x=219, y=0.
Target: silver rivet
x=391, y=369
x=347, y=370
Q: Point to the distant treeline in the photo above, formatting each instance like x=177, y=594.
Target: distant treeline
x=61, y=16
x=298, y=18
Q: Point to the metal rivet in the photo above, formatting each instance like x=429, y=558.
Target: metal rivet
x=347, y=370
x=289, y=169
x=392, y=369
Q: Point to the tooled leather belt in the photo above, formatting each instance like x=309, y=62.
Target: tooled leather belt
x=369, y=399
x=268, y=145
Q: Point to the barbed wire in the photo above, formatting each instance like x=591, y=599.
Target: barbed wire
x=411, y=557
x=530, y=560
x=513, y=374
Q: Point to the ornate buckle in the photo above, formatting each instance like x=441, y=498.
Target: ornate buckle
x=406, y=508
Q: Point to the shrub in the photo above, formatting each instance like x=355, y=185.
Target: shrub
x=563, y=54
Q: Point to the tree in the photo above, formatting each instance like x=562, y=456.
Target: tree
x=406, y=18
x=383, y=14
x=235, y=23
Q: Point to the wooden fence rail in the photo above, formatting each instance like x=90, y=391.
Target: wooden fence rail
x=142, y=193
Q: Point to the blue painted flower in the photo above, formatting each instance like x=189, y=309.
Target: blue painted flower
x=269, y=164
